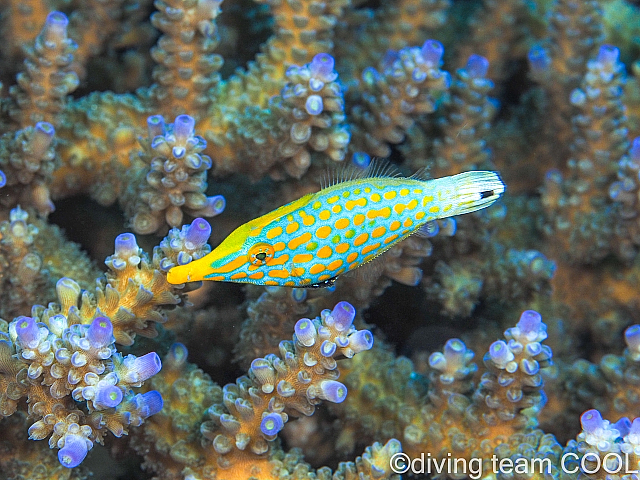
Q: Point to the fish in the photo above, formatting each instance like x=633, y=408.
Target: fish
x=320, y=236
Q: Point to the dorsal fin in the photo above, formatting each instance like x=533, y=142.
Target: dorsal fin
x=377, y=168
x=423, y=173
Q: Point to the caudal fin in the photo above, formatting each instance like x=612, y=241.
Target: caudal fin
x=476, y=190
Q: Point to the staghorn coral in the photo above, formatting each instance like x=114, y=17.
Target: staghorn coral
x=309, y=85
x=65, y=353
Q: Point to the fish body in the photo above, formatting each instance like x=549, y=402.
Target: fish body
x=312, y=240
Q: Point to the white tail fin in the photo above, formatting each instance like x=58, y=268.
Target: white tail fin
x=476, y=190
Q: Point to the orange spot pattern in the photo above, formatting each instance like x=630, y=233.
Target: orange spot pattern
x=351, y=204
x=317, y=268
x=427, y=199
x=281, y=260
x=302, y=258
x=360, y=239
x=323, y=232
x=378, y=232
x=391, y=238
x=324, y=252
x=369, y=248
x=383, y=212
x=292, y=227
x=343, y=247
x=276, y=273
x=296, y=242
x=341, y=223
x=274, y=232
x=335, y=264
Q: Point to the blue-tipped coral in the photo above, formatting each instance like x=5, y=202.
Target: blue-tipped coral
x=279, y=386
x=170, y=177
x=64, y=356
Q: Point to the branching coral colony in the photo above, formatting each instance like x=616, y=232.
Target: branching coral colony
x=546, y=92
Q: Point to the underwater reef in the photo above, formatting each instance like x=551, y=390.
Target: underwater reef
x=135, y=136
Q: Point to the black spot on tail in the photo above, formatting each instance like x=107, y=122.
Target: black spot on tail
x=486, y=194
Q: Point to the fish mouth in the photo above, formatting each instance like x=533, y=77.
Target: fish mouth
x=182, y=274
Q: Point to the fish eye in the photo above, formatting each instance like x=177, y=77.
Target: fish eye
x=260, y=254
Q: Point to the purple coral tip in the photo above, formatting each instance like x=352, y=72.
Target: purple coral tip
x=454, y=349
x=328, y=348
x=531, y=323
x=360, y=341
x=27, y=330
x=298, y=294
x=45, y=128
x=150, y=364
x=314, y=105
x=539, y=59
x=608, y=54
x=390, y=57
x=623, y=426
x=361, y=159
x=3, y=179
x=126, y=245
x=634, y=429
x=55, y=27
x=149, y=403
x=632, y=337
x=177, y=355
x=333, y=391
x=215, y=206
x=155, y=125
x=477, y=66
x=57, y=19
x=74, y=451
x=198, y=233
x=305, y=332
x=591, y=420
x=271, y=424
x=322, y=66
x=146, y=366
x=100, y=332
x=183, y=128
x=432, y=52
x=500, y=353
x=343, y=314
x=42, y=138
x=108, y=396
x=634, y=151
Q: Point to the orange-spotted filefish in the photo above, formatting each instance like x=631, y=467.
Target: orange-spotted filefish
x=312, y=240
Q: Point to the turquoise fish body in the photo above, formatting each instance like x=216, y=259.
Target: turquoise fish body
x=312, y=240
